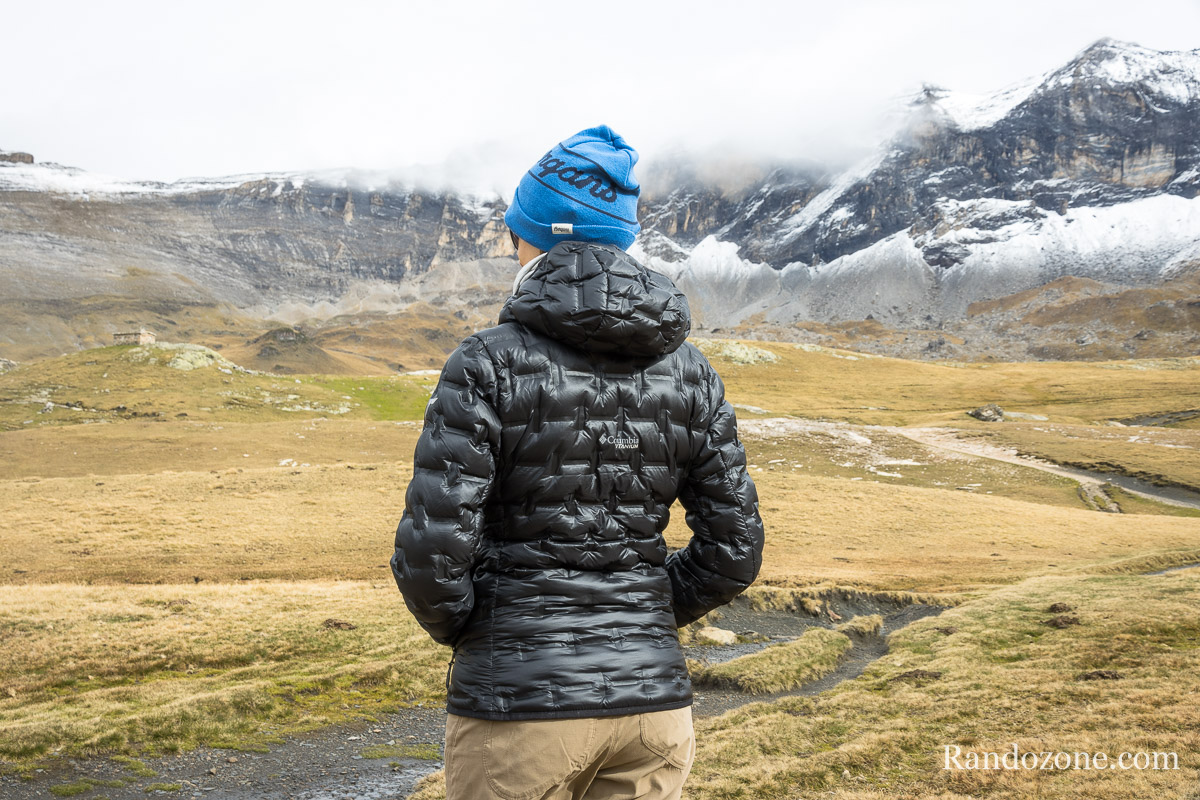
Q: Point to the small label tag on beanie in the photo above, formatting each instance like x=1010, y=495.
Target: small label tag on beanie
x=562, y=228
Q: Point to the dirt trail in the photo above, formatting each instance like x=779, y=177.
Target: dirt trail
x=1091, y=484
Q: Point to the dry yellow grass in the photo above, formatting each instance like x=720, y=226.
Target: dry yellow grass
x=777, y=667
x=862, y=625
x=337, y=522
x=801, y=379
x=816, y=382
x=919, y=539
x=319, y=522
x=121, y=383
x=150, y=448
x=814, y=599
x=89, y=669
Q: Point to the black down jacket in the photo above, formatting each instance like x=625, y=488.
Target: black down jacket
x=553, y=447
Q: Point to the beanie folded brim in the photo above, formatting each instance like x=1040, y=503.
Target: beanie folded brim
x=538, y=234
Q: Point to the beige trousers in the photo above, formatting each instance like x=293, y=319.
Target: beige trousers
x=631, y=756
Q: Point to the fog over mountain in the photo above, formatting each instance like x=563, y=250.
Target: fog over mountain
x=1011, y=224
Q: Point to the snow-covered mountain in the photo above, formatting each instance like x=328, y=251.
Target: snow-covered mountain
x=1077, y=185
x=1092, y=170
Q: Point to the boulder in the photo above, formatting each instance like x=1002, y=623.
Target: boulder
x=989, y=413
x=709, y=634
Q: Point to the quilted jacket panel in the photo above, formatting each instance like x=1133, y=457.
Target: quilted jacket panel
x=553, y=448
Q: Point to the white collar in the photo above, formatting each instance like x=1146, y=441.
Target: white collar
x=524, y=271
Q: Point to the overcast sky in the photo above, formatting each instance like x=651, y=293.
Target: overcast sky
x=164, y=90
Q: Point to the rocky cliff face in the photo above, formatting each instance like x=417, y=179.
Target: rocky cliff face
x=317, y=239
x=740, y=202
x=1116, y=124
x=1106, y=129
x=1092, y=170
x=266, y=240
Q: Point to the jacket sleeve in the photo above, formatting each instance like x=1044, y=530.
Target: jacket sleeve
x=721, y=505
x=454, y=469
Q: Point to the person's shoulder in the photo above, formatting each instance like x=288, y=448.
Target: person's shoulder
x=490, y=336
x=689, y=351
x=497, y=336
x=693, y=357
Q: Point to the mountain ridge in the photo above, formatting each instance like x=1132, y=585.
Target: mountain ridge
x=1091, y=170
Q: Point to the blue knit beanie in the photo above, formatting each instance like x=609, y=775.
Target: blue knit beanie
x=583, y=190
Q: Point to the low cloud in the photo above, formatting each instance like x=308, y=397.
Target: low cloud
x=470, y=96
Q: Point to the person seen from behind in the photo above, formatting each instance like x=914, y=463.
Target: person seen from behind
x=531, y=540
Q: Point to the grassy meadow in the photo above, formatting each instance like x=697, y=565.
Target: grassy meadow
x=178, y=539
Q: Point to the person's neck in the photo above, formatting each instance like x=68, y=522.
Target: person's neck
x=524, y=271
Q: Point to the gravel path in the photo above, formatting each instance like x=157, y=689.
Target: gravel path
x=947, y=439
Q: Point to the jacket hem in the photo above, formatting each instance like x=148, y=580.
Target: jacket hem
x=570, y=713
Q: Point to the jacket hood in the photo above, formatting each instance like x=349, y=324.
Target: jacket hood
x=596, y=297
